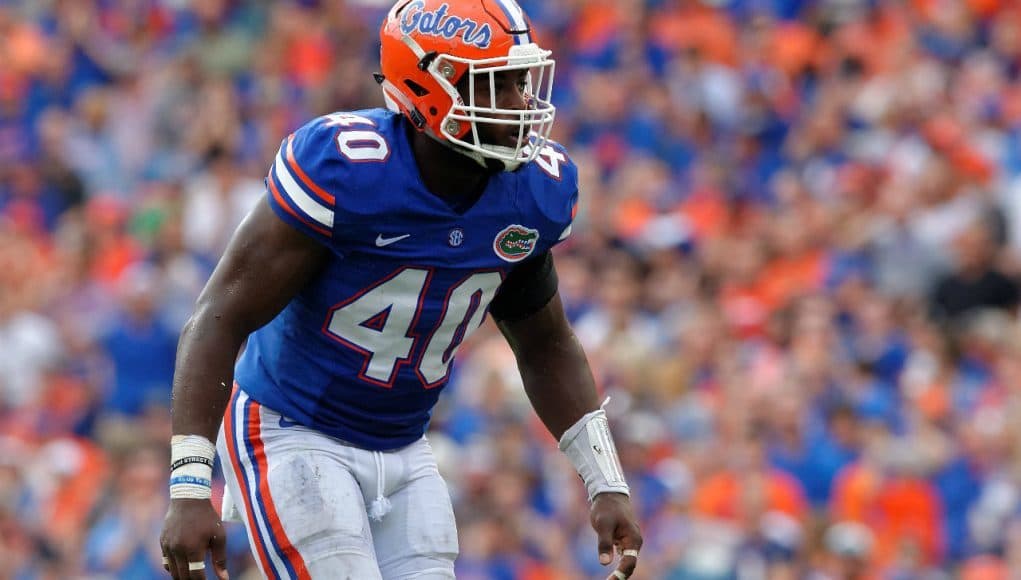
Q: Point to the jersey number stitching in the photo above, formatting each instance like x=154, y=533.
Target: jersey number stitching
x=379, y=323
x=360, y=145
x=549, y=160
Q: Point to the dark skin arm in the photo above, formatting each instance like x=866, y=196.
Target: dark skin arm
x=265, y=265
x=560, y=386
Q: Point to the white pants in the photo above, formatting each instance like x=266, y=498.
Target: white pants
x=305, y=499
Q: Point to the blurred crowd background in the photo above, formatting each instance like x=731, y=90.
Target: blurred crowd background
x=795, y=269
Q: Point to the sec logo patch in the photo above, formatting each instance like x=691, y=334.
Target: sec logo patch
x=455, y=238
x=515, y=242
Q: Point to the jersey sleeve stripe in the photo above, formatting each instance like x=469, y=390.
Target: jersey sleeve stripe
x=293, y=164
x=296, y=194
x=280, y=201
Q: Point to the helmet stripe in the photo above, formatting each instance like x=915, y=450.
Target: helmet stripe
x=517, y=19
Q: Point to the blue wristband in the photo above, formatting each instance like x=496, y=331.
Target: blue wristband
x=190, y=479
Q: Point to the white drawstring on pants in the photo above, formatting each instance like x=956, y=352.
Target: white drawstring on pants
x=381, y=505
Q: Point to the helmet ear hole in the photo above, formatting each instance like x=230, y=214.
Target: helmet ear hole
x=416, y=88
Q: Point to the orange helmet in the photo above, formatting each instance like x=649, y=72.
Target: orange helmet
x=427, y=46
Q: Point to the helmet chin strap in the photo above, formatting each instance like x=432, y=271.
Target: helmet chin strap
x=492, y=163
x=488, y=163
x=507, y=166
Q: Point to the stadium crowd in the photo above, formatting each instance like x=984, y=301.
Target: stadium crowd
x=795, y=270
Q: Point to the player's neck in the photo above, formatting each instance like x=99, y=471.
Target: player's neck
x=445, y=172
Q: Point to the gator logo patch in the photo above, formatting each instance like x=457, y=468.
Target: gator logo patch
x=515, y=243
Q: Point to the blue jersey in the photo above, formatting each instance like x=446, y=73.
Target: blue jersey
x=363, y=351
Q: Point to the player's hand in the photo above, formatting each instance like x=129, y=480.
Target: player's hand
x=191, y=529
x=616, y=525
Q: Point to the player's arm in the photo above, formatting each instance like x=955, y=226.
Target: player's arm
x=560, y=386
x=551, y=361
x=265, y=265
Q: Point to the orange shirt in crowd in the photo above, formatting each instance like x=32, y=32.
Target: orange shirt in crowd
x=792, y=47
x=984, y=568
x=724, y=495
x=854, y=491
x=632, y=214
x=310, y=59
x=979, y=8
x=707, y=213
x=77, y=492
x=747, y=309
x=877, y=41
x=538, y=571
x=697, y=26
x=908, y=509
x=897, y=509
x=113, y=258
x=596, y=24
x=787, y=277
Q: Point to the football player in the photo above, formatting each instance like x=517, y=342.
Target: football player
x=385, y=237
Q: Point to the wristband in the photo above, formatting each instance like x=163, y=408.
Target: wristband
x=191, y=459
x=589, y=445
x=191, y=467
x=190, y=479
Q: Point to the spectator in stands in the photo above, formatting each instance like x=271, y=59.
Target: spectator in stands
x=124, y=542
x=140, y=346
x=976, y=281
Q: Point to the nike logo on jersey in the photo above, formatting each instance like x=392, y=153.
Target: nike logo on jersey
x=285, y=422
x=381, y=241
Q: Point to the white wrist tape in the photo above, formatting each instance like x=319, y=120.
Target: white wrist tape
x=589, y=445
x=191, y=460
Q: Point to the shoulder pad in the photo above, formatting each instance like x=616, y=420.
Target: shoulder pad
x=314, y=164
